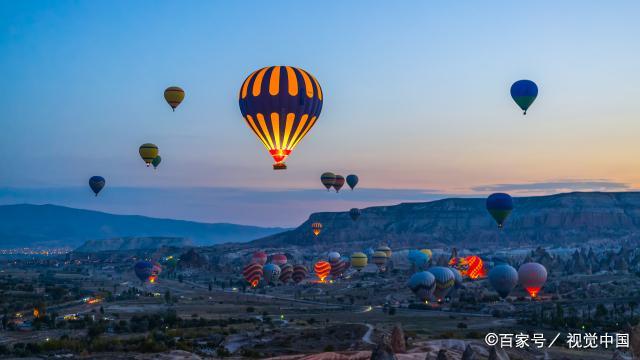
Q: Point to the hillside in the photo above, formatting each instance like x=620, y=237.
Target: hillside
x=560, y=219
x=50, y=225
x=132, y=243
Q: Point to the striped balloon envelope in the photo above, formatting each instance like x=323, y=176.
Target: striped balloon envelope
x=385, y=249
x=445, y=280
x=322, y=270
x=475, y=267
x=174, y=96
x=252, y=273
x=380, y=259
x=338, y=183
x=300, y=272
x=359, y=260
x=328, y=179
x=286, y=272
x=148, y=152
x=337, y=268
x=422, y=284
x=317, y=228
x=280, y=104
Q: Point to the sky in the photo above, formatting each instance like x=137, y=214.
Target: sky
x=416, y=102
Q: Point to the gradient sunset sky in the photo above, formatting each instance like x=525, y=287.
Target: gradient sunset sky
x=416, y=102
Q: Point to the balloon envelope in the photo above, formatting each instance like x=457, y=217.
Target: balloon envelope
x=328, y=179
x=96, y=183
x=148, y=152
x=143, y=270
x=286, y=272
x=499, y=205
x=156, y=161
x=359, y=260
x=532, y=277
x=503, y=278
x=445, y=280
x=259, y=257
x=174, y=96
x=280, y=105
x=317, y=228
x=422, y=284
x=338, y=183
x=271, y=273
x=322, y=270
x=300, y=273
x=352, y=181
x=524, y=92
x=354, y=214
x=252, y=273
x=279, y=259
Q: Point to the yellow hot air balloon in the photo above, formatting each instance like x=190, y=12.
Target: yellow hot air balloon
x=359, y=260
x=385, y=249
x=148, y=152
x=280, y=104
x=174, y=96
x=427, y=252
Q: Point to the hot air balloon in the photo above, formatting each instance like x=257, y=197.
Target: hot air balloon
x=280, y=104
x=476, y=268
x=337, y=264
x=271, y=273
x=328, y=179
x=359, y=260
x=417, y=259
x=322, y=270
x=385, y=249
x=352, y=181
x=156, y=161
x=460, y=264
x=252, y=273
x=174, y=96
x=300, y=273
x=333, y=256
x=524, y=92
x=445, y=280
x=279, y=259
x=143, y=270
x=354, y=214
x=458, y=280
x=380, y=259
x=259, y=257
x=155, y=272
x=148, y=152
x=499, y=206
x=422, y=284
x=96, y=183
x=317, y=228
x=532, y=277
x=503, y=278
x=427, y=252
x=369, y=251
x=286, y=272
x=338, y=183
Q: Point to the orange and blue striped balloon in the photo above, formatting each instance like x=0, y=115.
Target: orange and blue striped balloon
x=280, y=104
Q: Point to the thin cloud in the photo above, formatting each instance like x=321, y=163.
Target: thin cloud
x=556, y=186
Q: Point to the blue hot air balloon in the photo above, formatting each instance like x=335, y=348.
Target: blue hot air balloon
x=96, y=183
x=503, y=278
x=418, y=258
x=445, y=281
x=352, y=181
x=143, y=270
x=422, y=284
x=524, y=92
x=499, y=205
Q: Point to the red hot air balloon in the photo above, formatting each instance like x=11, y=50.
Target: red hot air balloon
x=476, y=268
x=322, y=269
x=286, y=272
x=280, y=104
x=252, y=273
x=317, y=228
x=338, y=183
x=300, y=273
x=532, y=277
x=259, y=257
x=279, y=259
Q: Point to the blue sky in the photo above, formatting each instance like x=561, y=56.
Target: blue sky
x=416, y=97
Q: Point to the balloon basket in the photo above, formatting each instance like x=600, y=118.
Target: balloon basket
x=280, y=166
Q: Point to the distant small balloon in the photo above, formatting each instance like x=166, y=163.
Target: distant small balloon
x=499, y=205
x=156, y=161
x=352, y=181
x=317, y=228
x=148, y=152
x=96, y=183
x=524, y=92
x=338, y=183
x=355, y=214
x=328, y=179
x=174, y=96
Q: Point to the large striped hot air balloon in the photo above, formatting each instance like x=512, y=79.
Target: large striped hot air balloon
x=422, y=284
x=380, y=259
x=337, y=264
x=445, y=281
x=338, y=183
x=174, y=96
x=286, y=272
x=359, y=260
x=532, y=277
x=300, y=272
x=317, y=228
x=460, y=264
x=524, y=92
x=280, y=104
x=271, y=273
x=252, y=273
x=503, y=278
x=96, y=183
x=279, y=259
x=475, y=266
x=322, y=270
x=328, y=179
x=148, y=152
x=259, y=257
x=499, y=205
